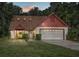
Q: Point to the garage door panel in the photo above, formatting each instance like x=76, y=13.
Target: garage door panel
x=52, y=34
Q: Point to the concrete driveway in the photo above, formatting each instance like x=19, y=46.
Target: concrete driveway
x=65, y=43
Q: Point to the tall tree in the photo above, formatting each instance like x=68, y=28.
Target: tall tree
x=7, y=10
x=35, y=12
x=66, y=11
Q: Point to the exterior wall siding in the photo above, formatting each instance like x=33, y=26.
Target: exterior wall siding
x=37, y=31
x=12, y=34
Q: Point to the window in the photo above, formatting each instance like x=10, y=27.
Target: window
x=24, y=18
x=18, y=18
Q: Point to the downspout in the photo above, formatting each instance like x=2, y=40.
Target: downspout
x=30, y=29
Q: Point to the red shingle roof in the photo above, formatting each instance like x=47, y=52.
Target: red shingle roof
x=25, y=22
x=31, y=22
x=53, y=21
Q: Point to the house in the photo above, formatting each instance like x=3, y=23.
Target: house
x=50, y=27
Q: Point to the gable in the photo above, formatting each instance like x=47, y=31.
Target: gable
x=53, y=21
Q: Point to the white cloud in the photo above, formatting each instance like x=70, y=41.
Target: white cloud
x=27, y=8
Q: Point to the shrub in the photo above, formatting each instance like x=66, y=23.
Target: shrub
x=25, y=36
x=38, y=37
x=72, y=34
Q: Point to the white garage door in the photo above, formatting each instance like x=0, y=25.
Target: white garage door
x=52, y=34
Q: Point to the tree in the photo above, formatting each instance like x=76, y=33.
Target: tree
x=35, y=12
x=7, y=10
x=66, y=11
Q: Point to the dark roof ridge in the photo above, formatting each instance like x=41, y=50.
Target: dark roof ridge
x=24, y=15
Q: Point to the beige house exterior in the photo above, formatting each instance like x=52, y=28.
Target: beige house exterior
x=50, y=27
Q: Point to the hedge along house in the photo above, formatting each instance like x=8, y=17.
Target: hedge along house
x=50, y=27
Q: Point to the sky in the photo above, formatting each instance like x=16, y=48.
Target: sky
x=41, y=5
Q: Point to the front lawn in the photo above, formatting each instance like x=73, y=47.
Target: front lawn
x=34, y=48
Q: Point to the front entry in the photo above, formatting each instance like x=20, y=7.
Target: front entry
x=19, y=34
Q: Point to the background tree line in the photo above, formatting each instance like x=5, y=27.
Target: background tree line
x=67, y=11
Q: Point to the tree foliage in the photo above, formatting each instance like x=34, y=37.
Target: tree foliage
x=67, y=11
x=7, y=10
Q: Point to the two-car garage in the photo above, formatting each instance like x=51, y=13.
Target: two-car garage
x=53, y=28
x=54, y=34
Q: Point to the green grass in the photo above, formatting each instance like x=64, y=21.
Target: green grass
x=34, y=48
